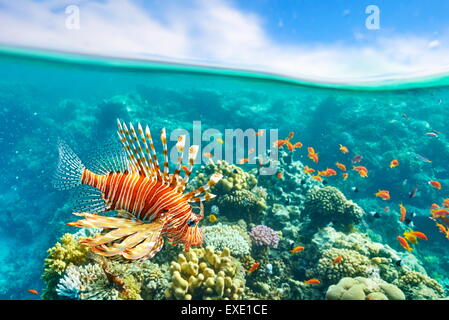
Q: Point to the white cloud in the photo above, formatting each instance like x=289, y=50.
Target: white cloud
x=213, y=32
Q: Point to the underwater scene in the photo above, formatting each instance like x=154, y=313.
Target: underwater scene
x=126, y=180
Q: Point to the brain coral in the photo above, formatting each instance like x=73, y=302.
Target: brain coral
x=352, y=264
x=418, y=286
x=223, y=236
x=328, y=204
x=203, y=274
x=360, y=288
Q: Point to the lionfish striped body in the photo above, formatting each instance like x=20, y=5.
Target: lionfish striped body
x=151, y=203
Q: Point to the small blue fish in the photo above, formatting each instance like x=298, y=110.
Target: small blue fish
x=423, y=159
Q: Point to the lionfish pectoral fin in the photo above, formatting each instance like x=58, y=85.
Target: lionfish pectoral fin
x=102, y=222
x=147, y=249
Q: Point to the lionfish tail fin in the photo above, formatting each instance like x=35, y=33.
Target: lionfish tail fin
x=70, y=168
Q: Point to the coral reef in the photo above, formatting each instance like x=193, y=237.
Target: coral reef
x=360, y=288
x=352, y=264
x=238, y=194
x=233, y=237
x=68, y=251
x=262, y=235
x=329, y=205
x=418, y=286
x=203, y=273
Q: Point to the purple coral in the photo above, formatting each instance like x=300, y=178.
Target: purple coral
x=264, y=236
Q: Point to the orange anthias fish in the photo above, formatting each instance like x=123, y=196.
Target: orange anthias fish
x=290, y=146
x=297, y=249
x=434, y=206
x=409, y=236
x=340, y=166
x=394, y=163
x=404, y=243
x=403, y=212
x=384, y=194
x=33, y=291
x=254, y=267
x=243, y=161
x=446, y=203
x=363, y=172
x=343, y=149
x=208, y=155
x=312, y=281
x=312, y=154
x=279, y=143
x=419, y=235
x=327, y=173
x=440, y=213
x=317, y=178
x=279, y=175
x=152, y=203
x=337, y=259
x=442, y=228
x=259, y=133
x=308, y=170
x=345, y=175
x=435, y=184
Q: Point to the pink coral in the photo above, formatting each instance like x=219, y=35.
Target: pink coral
x=264, y=236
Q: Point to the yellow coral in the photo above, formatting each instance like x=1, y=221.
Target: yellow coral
x=132, y=289
x=67, y=251
x=202, y=273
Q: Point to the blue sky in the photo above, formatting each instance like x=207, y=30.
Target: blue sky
x=338, y=20
x=324, y=39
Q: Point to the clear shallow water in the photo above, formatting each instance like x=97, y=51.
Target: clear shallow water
x=47, y=96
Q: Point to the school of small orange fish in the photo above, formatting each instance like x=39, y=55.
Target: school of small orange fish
x=437, y=213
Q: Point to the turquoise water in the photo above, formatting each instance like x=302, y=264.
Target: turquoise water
x=45, y=96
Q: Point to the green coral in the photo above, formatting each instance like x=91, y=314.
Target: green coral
x=360, y=288
x=203, y=274
x=352, y=264
x=68, y=251
x=329, y=205
x=418, y=286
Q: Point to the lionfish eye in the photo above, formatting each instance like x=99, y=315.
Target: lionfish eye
x=190, y=223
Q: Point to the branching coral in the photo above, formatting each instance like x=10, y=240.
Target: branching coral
x=328, y=204
x=87, y=282
x=225, y=236
x=360, y=288
x=203, y=274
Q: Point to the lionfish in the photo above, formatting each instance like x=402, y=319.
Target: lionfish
x=151, y=203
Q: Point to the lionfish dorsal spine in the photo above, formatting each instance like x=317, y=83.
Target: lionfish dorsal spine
x=193, y=151
x=180, y=145
x=165, y=153
x=193, y=195
x=146, y=153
